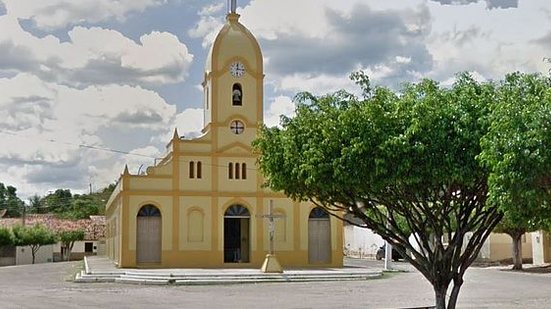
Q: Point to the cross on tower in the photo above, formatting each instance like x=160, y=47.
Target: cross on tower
x=237, y=127
x=233, y=5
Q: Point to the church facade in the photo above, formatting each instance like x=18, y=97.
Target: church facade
x=203, y=204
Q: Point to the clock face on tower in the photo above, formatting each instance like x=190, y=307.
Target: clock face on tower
x=237, y=69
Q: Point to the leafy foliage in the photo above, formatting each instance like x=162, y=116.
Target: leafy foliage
x=58, y=202
x=10, y=201
x=66, y=205
x=34, y=237
x=517, y=151
x=402, y=162
x=6, y=237
x=68, y=239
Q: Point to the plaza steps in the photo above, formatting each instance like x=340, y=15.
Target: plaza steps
x=101, y=269
x=157, y=278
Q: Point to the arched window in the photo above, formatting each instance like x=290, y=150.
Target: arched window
x=237, y=95
x=191, y=169
x=237, y=211
x=318, y=213
x=149, y=211
x=199, y=169
x=244, y=171
x=230, y=171
x=237, y=171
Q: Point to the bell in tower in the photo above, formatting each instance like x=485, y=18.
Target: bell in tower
x=234, y=82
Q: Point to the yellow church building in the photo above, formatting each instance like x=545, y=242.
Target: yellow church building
x=203, y=205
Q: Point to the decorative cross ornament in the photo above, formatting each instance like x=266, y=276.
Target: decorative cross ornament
x=237, y=127
x=271, y=224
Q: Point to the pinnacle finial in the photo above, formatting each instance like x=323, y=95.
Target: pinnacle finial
x=233, y=6
x=175, y=136
x=126, y=172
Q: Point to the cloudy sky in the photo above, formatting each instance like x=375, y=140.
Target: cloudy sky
x=123, y=74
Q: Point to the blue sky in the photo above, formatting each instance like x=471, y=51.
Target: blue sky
x=123, y=74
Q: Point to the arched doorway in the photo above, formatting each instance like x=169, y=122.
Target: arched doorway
x=148, y=235
x=236, y=234
x=319, y=236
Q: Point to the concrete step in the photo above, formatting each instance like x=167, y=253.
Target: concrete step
x=221, y=276
x=245, y=275
x=203, y=280
x=83, y=277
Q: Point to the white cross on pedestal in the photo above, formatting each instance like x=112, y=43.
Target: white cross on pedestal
x=271, y=265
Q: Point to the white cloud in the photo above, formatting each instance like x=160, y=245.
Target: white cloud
x=281, y=105
x=159, y=58
x=316, y=84
x=490, y=42
x=55, y=14
x=46, y=124
x=270, y=19
x=207, y=28
x=400, y=59
x=212, y=9
x=439, y=40
x=90, y=86
x=190, y=122
x=210, y=22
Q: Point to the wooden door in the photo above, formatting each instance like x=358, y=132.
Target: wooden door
x=244, y=240
x=148, y=247
x=319, y=238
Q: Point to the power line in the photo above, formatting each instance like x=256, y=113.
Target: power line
x=116, y=150
x=83, y=145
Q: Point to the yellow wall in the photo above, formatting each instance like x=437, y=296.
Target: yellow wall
x=151, y=183
x=191, y=231
x=237, y=185
x=196, y=184
x=246, y=112
x=501, y=246
x=192, y=210
x=164, y=204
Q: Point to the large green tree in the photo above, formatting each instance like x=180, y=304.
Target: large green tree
x=58, y=201
x=68, y=239
x=517, y=151
x=36, y=204
x=6, y=237
x=9, y=201
x=516, y=227
x=72, y=206
x=35, y=237
x=404, y=163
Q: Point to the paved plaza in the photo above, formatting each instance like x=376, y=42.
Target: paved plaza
x=50, y=286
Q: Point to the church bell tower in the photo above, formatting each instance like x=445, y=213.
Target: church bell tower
x=233, y=84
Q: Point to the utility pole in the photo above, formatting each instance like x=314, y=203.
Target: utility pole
x=24, y=213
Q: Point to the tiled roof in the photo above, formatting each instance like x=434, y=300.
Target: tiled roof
x=94, y=227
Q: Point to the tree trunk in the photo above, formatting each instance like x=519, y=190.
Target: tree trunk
x=517, y=250
x=67, y=254
x=455, y=293
x=70, y=249
x=440, y=296
x=33, y=253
